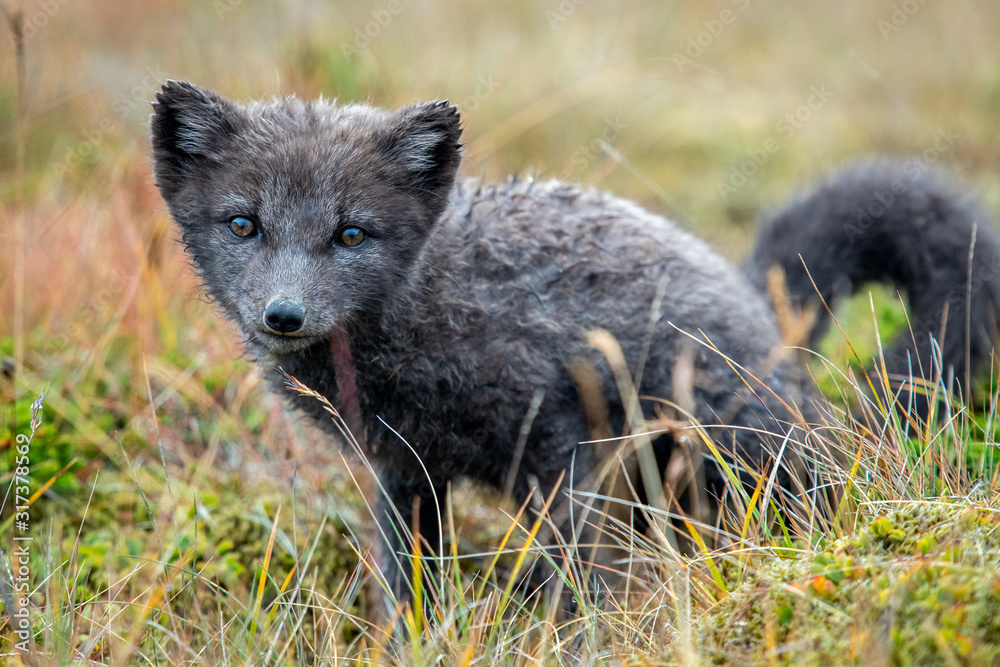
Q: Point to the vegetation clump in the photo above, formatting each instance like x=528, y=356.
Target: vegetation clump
x=917, y=583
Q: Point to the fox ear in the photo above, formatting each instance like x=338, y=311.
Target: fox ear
x=189, y=125
x=424, y=139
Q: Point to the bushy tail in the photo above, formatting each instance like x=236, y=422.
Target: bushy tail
x=904, y=224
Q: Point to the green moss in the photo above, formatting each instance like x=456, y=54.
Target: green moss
x=919, y=584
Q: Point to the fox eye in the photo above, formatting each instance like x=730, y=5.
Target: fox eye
x=242, y=228
x=352, y=237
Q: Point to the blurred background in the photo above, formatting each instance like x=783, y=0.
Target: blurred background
x=707, y=112
x=711, y=111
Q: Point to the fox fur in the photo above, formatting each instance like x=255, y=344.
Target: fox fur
x=465, y=302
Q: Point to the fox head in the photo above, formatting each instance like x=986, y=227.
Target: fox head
x=302, y=218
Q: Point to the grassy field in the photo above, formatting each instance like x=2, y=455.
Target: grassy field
x=178, y=516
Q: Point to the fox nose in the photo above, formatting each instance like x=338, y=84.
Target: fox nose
x=284, y=316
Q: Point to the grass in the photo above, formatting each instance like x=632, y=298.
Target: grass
x=186, y=519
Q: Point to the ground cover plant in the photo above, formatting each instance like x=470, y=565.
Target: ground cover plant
x=178, y=515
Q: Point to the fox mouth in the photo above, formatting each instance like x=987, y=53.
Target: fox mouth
x=283, y=343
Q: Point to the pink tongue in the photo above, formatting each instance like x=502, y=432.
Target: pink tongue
x=347, y=388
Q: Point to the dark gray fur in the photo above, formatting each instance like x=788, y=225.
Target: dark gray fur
x=466, y=299
x=904, y=224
